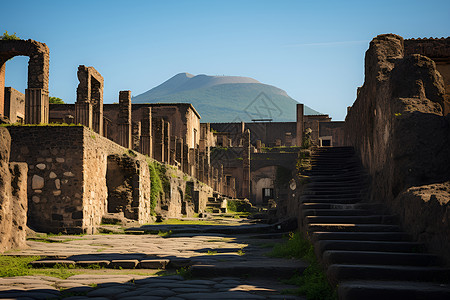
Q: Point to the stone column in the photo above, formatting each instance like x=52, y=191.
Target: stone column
x=158, y=139
x=179, y=152
x=288, y=139
x=186, y=159
x=136, y=135
x=146, y=132
x=300, y=129
x=36, y=106
x=166, y=142
x=125, y=119
x=97, y=105
x=201, y=167
x=2, y=87
x=192, y=162
x=233, y=187
x=197, y=162
x=173, y=149
x=220, y=180
x=246, y=165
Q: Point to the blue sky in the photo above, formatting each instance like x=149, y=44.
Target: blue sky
x=314, y=50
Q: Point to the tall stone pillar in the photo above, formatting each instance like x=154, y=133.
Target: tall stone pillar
x=173, y=149
x=220, y=180
x=179, y=152
x=89, y=104
x=2, y=87
x=146, y=132
x=201, y=167
x=246, y=164
x=186, y=159
x=166, y=142
x=300, y=129
x=192, y=162
x=136, y=135
x=36, y=106
x=158, y=139
x=197, y=162
x=233, y=187
x=125, y=119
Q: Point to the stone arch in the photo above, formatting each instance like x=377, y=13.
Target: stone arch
x=36, y=94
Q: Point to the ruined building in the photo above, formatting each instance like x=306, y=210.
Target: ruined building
x=400, y=127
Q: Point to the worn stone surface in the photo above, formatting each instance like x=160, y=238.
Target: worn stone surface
x=13, y=198
x=397, y=126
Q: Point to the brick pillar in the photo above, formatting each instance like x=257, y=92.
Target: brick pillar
x=288, y=139
x=136, y=135
x=179, y=152
x=36, y=106
x=146, y=132
x=197, y=162
x=201, y=167
x=220, y=180
x=158, y=139
x=173, y=149
x=186, y=159
x=214, y=174
x=97, y=105
x=315, y=132
x=246, y=164
x=233, y=187
x=192, y=162
x=300, y=129
x=2, y=87
x=167, y=142
x=125, y=119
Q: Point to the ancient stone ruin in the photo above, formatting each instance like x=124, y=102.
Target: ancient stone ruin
x=400, y=129
x=36, y=94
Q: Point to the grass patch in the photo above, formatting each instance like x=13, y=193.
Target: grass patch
x=212, y=252
x=312, y=283
x=187, y=222
x=165, y=233
x=184, y=272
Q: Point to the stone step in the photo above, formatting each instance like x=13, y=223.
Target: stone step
x=361, y=236
x=334, y=192
x=344, y=272
x=381, y=258
x=392, y=290
x=360, y=205
x=379, y=246
x=337, y=212
x=341, y=178
x=267, y=268
x=352, y=219
x=330, y=201
x=353, y=228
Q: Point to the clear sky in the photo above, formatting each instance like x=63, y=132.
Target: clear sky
x=314, y=50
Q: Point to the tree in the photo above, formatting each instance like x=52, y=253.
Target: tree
x=9, y=37
x=55, y=100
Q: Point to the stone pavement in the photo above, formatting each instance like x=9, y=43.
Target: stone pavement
x=229, y=265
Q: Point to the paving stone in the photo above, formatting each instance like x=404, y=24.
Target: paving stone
x=192, y=290
x=124, y=263
x=107, y=291
x=174, y=298
x=143, y=298
x=221, y=295
x=29, y=294
x=199, y=281
x=159, y=292
x=87, y=263
x=153, y=263
x=154, y=280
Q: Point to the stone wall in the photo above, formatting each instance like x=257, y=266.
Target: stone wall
x=13, y=198
x=397, y=126
x=67, y=188
x=14, y=105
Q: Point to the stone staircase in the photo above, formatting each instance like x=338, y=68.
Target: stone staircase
x=361, y=246
x=216, y=204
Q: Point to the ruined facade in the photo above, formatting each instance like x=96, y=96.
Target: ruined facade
x=89, y=104
x=398, y=126
x=36, y=94
x=13, y=198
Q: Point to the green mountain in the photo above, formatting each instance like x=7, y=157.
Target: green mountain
x=226, y=98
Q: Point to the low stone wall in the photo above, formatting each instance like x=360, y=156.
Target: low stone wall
x=67, y=165
x=397, y=126
x=13, y=198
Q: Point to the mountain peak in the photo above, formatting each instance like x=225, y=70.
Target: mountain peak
x=221, y=98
